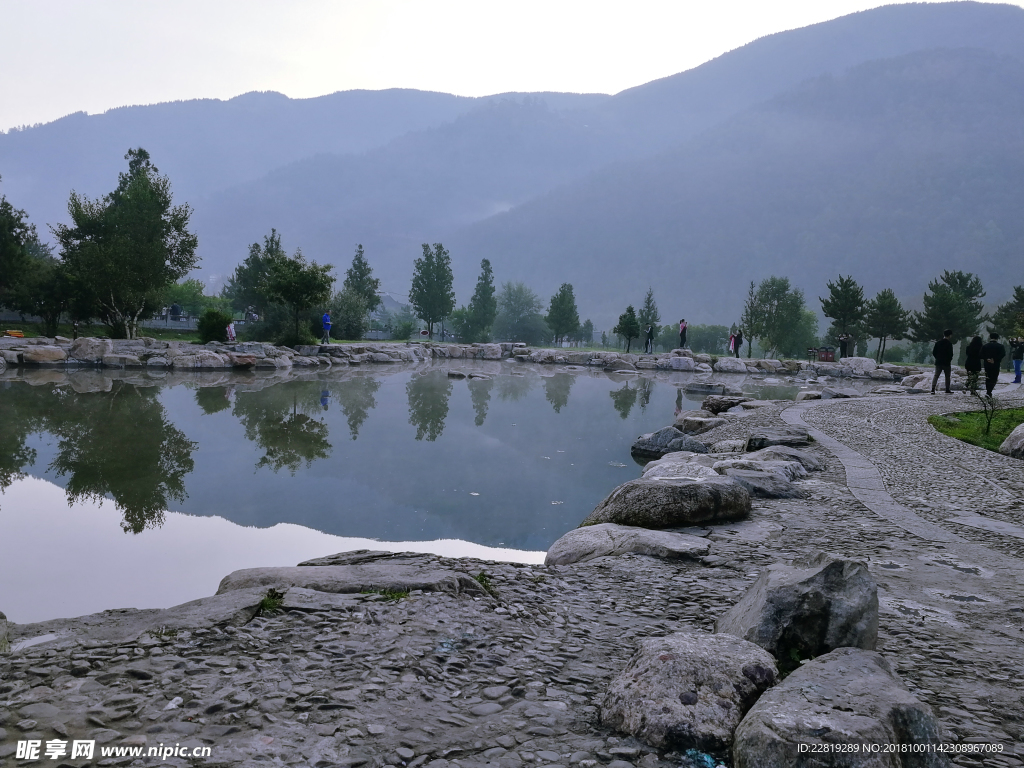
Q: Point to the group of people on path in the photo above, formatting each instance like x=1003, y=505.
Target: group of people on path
x=735, y=340
x=980, y=356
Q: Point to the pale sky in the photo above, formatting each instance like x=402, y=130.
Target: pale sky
x=63, y=56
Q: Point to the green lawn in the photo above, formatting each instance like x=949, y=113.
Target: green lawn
x=32, y=330
x=970, y=427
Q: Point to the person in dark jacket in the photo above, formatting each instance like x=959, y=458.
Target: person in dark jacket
x=649, y=340
x=1017, y=355
x=682, y=334
x=973, y=364
x=992, y=354
x=844, y=346
x=738, y=340
x=943, y=354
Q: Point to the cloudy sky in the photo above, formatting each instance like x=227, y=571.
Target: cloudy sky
x=62, y=56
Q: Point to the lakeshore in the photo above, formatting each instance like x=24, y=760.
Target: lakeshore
x=516, y=675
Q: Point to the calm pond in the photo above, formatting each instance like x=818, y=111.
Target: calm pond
x=137, y=491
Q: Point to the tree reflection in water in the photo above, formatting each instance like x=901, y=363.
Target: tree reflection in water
x=213, y=399
x=646, y=389
x=480, y=395
x=356, y=398
x=279, y=421
x=119, y=444
x=428, y=395
x=20, y=416
x=556, y=390
x=623, y=399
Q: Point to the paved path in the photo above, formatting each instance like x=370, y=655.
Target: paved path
x=895, y=430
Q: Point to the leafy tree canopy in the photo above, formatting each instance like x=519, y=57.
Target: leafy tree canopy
x=885, y=318
x=628, y=327
x=519, y=315
x=431, y=295
x=359, y=279
x=845, y=305
x=563, y=318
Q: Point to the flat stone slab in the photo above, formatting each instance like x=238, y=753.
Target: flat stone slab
x=763, y=484
x=606, y=539
x=370, y=577
x=672, y=503
x=299, y=599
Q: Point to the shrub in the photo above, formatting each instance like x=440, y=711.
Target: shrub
x=213, y=326
x=402, y=331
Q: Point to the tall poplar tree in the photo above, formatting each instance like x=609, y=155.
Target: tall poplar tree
x=845, y=307
x=431, y=295
x=360, y=280
x=563, y=318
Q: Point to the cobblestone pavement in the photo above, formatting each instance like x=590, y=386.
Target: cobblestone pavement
x=516, y=678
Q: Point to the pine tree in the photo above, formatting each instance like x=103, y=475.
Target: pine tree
x=359, y=279
x=845, y=306
x=563, y=318
x=649, y=314
x=953, y=302
x=431, y=294
x=1008, y=319
x=483, y=307
x=885, y=318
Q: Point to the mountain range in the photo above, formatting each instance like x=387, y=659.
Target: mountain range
x=888, y=144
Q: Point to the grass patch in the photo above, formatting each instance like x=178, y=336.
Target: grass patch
x=33, y=330
x=485, y=581
x=5, y=638
x=387, y=594
x=271, y=602
x=970, y=427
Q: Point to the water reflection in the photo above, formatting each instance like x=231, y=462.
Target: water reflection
x=356, y=397
x=556, y=390
x=213, y=399
x=623, y=399
x=280, y=421
x=480, y=396
x=428, y=395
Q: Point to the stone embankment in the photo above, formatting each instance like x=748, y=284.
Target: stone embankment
x=735, y=635
x=154, y=354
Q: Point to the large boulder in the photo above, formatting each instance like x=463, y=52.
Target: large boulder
x=804, y=610
x=667, y=440
x=830, y=393
x=861, y=366
x=788, y=470
x=809, y=461
x=690, y=423
x=43, y=354
x=849, y=697
x=677, y=465
x=609, y=539
x=730, y=365
x=90, y=350
x=1013, y=445
x=613, y=366
x=762, y=484
x=672, y=503
x=716, y=404
x=688, y=690
x=682, y=364
x=795, y=437
x=917, y=380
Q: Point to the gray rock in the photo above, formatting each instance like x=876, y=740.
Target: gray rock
x=619, y=365
x=716, y=404
x=789, y=470
x=688, y=690
x=730, y=365
x=729, y=446
x=677, y=465
x=704, y=387
x=794, y=437
x=807, y=609
x=368, y=577
x=764, y=485
x=43, y=354
x=666, y=440
x=1013, y=445
x=809, y=461
x=606, y=539
x=808, y=395
x=90, y=350
x=672, y=503
x=849, y=696
x=828, y=393
x=692, y=424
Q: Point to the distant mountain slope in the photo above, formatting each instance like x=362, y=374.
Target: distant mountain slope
x=207, y=145
x=892, y=172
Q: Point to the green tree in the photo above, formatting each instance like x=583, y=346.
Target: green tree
x=649, y=314
x=845, y=307
x=585, y=335
x=348, y=315
x=244, y=289
x=279, y=420
x=628, y=327
x=563, y=319
x=777, y=314
x=885, y=318
x=213, y=326
x=42, y=290
x=428, y=403
x=1008, y=319
x=125, y=248
x=483, y=307
x=431, y=295
x=360, y=280
x=519, y=315
x=298, y=285
x=952, y=302
x=15, y=235
x=752, y=319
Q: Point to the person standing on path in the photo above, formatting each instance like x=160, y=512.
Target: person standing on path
x=844, y=345
x=1017, y=355
x=682, y=334
x=649, y=341
x=943, y=354
x=993, y=354
x=326, y=322
x=738, y=340
x=973, y=364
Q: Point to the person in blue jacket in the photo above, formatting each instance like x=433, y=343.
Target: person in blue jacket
x=326, y=322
